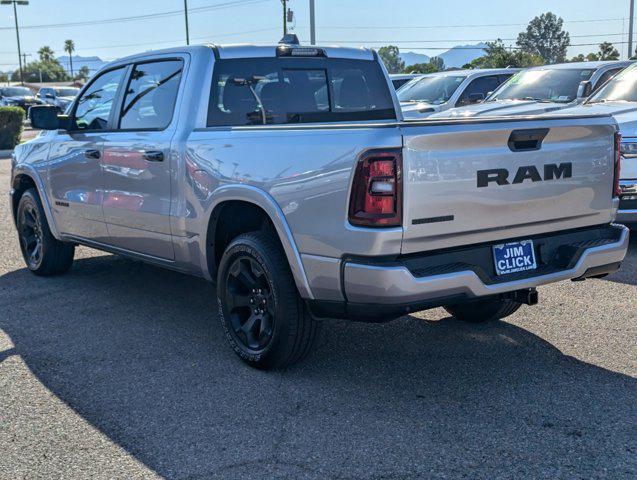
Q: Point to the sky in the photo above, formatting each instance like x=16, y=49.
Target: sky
x=423, y=26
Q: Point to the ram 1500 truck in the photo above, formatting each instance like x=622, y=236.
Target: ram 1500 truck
x=288, y=175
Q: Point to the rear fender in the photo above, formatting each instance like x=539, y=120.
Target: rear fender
x=262, y=199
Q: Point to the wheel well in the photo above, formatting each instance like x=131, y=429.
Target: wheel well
x=21, y=183
x=229, y=220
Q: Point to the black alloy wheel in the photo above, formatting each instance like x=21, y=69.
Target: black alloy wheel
x=250, y=303
x=31, y=236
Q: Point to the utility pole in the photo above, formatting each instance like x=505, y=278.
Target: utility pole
x=24, y=58
x=285, y=16
x=630, y=28
x=17, y=31
x=312, y=24
x=186, y=17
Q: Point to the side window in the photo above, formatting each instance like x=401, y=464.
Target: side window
x=95, y=104
x=150, y=97
x=606, y=76
x=478, y=89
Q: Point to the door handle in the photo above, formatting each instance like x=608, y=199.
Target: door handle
x=154, y=156
x=92, y=154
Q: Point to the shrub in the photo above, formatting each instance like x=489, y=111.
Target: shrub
x=11, y=119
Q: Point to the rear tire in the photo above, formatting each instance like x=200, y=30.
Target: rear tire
x=485, y=310
x=43, y=254
x=265, y=320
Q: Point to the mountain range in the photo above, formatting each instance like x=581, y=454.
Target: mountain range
x=93, y=63
x=454, y=57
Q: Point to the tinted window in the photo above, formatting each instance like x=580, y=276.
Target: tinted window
x=606, y=76
x=434, y=89
x=95, y=104
x=151, y=94
x=400, y=82
x=622, y=87
x=478, y=89
x=546, y=84
x=297, y=90
x=66, y=92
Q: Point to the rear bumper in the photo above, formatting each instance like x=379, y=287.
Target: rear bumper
x=398, y=286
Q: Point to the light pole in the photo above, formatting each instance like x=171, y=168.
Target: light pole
x=630, y=28
x=312, y=24
x=285, y=17
x=186, y=17
x=17, y=31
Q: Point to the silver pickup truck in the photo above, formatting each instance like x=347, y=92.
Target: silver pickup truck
x=287, y=175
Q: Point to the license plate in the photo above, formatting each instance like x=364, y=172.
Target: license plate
x=514, y=257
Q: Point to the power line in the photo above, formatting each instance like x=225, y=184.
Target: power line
x=150, y=16
x=394, y=27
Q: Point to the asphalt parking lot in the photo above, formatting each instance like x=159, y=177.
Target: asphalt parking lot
x=120, y=370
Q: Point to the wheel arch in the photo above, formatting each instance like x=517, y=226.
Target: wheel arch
x=23, y=179
x=250, y=209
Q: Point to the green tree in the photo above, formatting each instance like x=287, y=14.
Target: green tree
x=390, y=56
x=46, y=54
x=4, y=78
x=69, y=47
x=50, y=71
x=496, y=55
x=607, y=51
x=421, y=68
x=545, y=37
x=437, y=62
x=83, y=74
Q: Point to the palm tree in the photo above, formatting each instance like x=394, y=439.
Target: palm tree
x=46, y=54
x=69, y=47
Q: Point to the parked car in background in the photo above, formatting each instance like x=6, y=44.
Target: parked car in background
x=437, y=92
x=619, y=99
x=18, y=97
x=400, y=79
x=278, y=171
x=60, y=97
x=544, y=89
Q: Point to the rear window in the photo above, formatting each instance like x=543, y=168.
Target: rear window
x=263, y=91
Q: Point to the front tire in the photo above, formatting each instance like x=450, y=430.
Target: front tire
x=484, y=310
x=264, y=319
x=43, y=254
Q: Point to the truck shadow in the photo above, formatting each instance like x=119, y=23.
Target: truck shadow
x=138, y=353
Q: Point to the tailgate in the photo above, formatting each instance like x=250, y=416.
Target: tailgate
x=474, y=182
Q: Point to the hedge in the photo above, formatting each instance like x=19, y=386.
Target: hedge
x=11, y=119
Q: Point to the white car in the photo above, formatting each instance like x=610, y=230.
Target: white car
x=543, y=89
x=441, y=91
x=619, y=99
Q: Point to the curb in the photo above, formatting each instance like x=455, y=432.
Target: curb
x=5, y=154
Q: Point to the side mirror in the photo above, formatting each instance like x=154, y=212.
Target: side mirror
x=45, y=117
x=476, y=97
x=585, y=88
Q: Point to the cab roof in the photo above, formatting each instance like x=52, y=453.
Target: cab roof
x=253, y=51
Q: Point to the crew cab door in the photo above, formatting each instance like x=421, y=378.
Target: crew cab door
x=75, y=172
x=136, y=162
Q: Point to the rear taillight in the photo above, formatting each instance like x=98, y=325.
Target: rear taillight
x=376, y=199
x=618, y=163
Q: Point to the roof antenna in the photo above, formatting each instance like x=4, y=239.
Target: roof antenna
x=289, y=39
